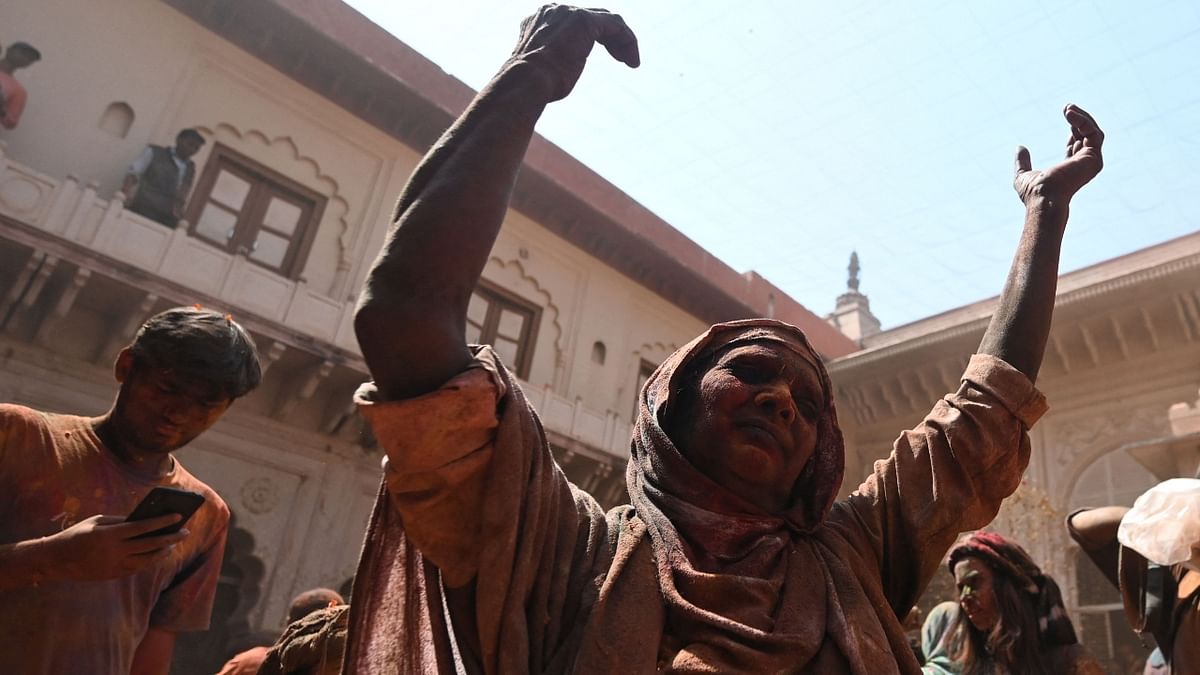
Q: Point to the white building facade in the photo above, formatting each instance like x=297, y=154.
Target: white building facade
x=1122, y=368
x=313, y=118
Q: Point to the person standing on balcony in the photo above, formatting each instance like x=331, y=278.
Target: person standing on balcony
x=734, y=555
x=160, y=179
x=81, y=589
x=12, y=93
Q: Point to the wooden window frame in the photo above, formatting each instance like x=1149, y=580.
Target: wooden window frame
x=257, y=174
x=497, y=296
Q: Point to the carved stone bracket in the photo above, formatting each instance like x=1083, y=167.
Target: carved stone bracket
x=66, y=300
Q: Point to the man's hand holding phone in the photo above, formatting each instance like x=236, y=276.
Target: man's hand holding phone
x=107, y=547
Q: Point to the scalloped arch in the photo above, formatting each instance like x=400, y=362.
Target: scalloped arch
x=1082, y=462
x=653, y=352
x=554, y=314
x=1111, y=433
x=320, y=181
x=661, y=350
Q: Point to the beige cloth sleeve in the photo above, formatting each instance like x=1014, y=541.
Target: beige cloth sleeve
x=947, y=475
x=438, y=448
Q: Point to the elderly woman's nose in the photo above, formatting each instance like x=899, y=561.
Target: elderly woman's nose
x=776, y=399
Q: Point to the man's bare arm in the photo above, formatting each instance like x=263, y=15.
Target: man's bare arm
x=94, y=549
x=410, y=321
x=1095, y=530
x=129, y=186
x=153, y=655
x=1021, y=325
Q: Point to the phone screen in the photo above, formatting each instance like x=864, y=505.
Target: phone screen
x=163, y=500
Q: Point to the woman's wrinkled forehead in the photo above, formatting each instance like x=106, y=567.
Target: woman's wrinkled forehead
x=684, y=365
x=780, y=337
x=775, y=338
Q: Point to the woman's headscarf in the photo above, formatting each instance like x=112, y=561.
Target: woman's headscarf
x=661, y=477
x=1008, y=558
x=722, y=561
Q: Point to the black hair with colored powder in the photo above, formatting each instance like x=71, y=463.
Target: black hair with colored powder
x=201, y=346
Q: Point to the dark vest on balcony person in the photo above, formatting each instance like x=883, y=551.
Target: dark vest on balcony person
x=160, y=185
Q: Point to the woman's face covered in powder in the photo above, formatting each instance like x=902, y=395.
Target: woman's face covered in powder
x=750, y=422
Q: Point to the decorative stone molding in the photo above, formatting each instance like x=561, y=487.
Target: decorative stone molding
x=1101, y=433
x=260, y=495
x=654, y=352
x=337, y=207
x=20, y=195
x=513, y=275
x=1077, y=443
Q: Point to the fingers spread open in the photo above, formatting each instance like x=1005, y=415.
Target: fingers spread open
x=1022, y=163
x=616, y=37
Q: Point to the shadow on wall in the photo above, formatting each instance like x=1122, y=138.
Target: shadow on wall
x=237, y=593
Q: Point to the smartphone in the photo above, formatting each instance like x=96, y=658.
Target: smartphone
x=163, y=500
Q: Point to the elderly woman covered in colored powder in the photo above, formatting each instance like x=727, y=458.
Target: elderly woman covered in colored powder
x=733, y=555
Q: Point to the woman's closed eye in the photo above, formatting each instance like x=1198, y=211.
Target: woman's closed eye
x=806, y=407
x=750, y=373
x=757, y=369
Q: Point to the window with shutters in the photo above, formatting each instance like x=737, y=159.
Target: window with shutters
x=244, y=207
x=505, y=321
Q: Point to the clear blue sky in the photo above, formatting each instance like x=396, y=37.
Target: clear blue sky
x=782, y=135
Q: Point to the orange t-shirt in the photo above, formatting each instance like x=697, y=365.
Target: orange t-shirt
x=55, y=472
x=14, y=100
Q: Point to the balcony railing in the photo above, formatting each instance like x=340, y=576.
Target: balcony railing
x=75, y=212
x=67, y=209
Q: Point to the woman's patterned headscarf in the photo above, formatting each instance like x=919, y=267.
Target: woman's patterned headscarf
x=1007, y=558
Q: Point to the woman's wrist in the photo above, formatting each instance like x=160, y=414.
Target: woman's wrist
x=1046, y=205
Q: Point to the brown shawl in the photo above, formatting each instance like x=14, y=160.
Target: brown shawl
x=728, y=612
x=559, y=587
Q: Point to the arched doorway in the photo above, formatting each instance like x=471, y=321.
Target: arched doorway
x=1114, y=478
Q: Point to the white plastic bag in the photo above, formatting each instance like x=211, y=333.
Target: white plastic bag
x=1164, y=523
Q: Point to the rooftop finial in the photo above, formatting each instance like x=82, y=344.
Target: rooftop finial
x=852, y=282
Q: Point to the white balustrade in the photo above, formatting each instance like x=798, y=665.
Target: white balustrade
x=604, y=431
x=64, y=209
